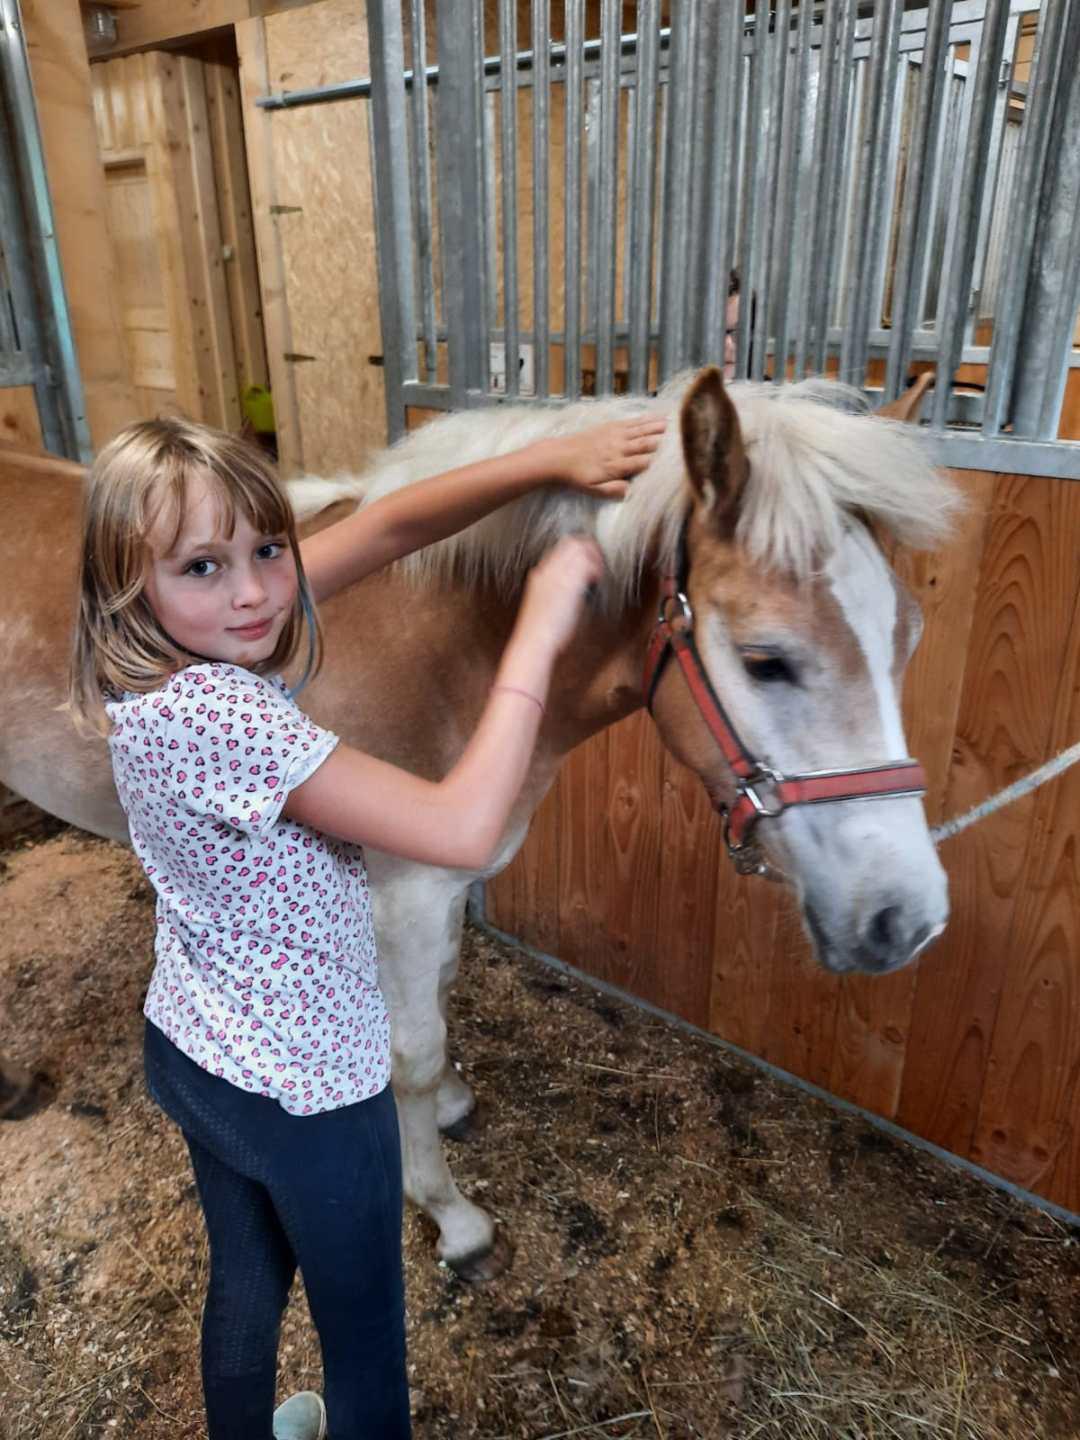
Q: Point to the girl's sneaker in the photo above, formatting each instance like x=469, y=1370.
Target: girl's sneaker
x=301, y=1417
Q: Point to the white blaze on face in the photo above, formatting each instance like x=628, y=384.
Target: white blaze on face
x=866, y=595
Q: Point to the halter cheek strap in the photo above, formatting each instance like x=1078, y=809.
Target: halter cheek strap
x=761, y=792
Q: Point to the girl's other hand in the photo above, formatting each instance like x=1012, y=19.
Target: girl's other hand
x=602, y=459
x=556, y=590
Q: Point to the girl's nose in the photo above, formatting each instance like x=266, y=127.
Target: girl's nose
x=249, y=589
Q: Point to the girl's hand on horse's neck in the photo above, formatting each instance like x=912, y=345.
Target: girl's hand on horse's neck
x=599, y=460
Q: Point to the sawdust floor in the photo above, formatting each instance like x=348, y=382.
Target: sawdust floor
x=701, y=1251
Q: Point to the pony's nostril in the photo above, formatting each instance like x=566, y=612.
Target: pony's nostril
x=883, y=928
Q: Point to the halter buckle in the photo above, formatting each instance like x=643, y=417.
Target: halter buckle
x=769, y=805
x=683, y=612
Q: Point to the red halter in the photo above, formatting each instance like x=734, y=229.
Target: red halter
x=760, y=791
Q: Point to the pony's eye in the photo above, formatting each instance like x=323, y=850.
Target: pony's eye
x=768, y=669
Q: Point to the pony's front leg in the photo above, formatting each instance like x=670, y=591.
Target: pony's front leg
x=419, y=913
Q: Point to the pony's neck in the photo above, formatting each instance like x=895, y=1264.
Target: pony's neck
x=598, y=681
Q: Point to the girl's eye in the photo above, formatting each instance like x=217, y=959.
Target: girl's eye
x=200, y=568
x=768, y=669
x=271, y=550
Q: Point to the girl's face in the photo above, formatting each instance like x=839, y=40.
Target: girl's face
x=225, y=599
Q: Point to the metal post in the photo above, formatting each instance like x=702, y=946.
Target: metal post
x=421, y=178
x=1043, y=89
x=541, y=24
x=958, y=286
x=389, y=137
x=723, y=188
x=674, y=288
x=825, y=241
x=917, y=215
x=572, y=200
x=639, y=259
x=462, y=203
x=1053, y=294
x=786, y=261
x=869, y=198
x=607, y=195
x=508, y=157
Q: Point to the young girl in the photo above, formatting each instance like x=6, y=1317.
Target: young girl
x=267, y=1038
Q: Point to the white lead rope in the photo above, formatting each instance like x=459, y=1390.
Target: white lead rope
x=1015, y=791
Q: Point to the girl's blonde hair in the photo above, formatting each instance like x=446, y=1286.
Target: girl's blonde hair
x=140, y=476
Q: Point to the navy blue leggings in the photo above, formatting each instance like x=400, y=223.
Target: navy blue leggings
x=278, y=1190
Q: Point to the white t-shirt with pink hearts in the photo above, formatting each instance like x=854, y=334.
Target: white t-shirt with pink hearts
x=266, y=970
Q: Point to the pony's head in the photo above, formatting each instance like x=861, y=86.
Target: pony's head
x=804, y=632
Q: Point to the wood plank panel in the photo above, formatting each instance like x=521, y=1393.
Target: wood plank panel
x=1027, y=1121
x=1020, y=634
x=691, y=861
x=526, y=894
x=584, y=902
x=629, y=868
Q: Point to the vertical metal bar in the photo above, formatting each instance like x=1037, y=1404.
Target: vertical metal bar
x=508, y=155
x=882, y=254
x=673, y=295
x=663, y=100
x=1053, y=294
x=786, y=258
x=917, y=214
x=491, y=217
x=720, y=248
x=958, y=288
x=817, y=211
x=959, y=140
x=867, y=208
x=1035, y=130
x=700, y=263
x=607, y=194
x=988, y=203
x=572, y=200
x=754, y=190
x=592, y=207
x=946, y=137
x=630, y=211
x=824, y=248
x=541, y=96
x=642, y=192
x=389, y=138
x=767, y=259
x=462, y=201
x=421, y=168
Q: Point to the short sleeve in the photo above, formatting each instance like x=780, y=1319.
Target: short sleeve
x=233, y=745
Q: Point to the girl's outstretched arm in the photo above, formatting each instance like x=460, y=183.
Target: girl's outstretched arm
x=599, y=460
x=458, y=822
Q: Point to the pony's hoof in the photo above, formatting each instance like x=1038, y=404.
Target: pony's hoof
x=465, y=1127
x=483, y=1266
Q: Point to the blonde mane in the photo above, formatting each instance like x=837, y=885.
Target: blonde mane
x=816, y=459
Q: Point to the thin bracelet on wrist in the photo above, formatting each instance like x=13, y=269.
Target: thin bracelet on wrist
x=517, y=690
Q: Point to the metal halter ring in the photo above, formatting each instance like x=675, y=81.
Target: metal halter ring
x=748, y=787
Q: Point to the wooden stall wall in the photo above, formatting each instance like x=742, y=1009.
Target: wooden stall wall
x=977, y=1047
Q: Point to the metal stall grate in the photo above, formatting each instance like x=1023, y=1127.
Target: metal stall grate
x=560, y=216
x=37, y=347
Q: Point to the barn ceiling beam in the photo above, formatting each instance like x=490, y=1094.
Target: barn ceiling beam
x=156, y=23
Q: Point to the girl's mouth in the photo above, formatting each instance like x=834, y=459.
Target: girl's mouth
x=252, y=632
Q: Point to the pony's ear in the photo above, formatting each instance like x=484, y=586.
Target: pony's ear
x=713, y=446
x=908, y=403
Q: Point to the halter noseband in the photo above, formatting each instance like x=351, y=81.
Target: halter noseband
x=761, y=792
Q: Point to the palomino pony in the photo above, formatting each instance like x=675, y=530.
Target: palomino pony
x=751, y=533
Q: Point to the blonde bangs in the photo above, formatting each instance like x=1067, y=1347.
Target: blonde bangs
x=139, y=479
